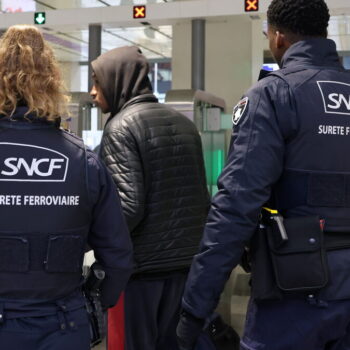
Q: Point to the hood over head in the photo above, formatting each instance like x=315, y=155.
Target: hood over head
x=122, y=74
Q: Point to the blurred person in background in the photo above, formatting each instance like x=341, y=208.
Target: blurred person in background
x=155, y=157
x=55, y=198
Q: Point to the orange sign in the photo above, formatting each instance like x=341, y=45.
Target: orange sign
x=251, y=5
x=140, y=11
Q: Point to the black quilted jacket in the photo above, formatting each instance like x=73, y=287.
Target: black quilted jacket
x=155, y=157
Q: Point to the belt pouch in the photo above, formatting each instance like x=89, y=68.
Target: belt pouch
x=299, y=263
x=262, y=275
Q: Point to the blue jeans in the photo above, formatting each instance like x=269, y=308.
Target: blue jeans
x=297, y=324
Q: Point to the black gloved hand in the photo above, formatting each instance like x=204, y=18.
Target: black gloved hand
x=188, y=330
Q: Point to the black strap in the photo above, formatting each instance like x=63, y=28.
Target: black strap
x=297, y=188
x=336, y=240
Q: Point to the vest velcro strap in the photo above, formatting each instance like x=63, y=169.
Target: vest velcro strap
x=54, y=253
x=298, y=188
x=328, y=190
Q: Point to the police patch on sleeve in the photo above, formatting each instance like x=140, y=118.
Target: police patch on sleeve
x=239, y=109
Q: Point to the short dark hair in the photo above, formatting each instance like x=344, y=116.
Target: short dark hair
x=300, y=17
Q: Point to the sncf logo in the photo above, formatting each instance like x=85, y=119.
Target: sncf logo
x=336, y=97
x=29, y=163
x=15, y=164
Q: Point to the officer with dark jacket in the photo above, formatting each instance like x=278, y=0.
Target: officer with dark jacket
x=155, y=157
x=55, y=197
x=288, y=154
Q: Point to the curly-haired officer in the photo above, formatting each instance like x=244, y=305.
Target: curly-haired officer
x=55, y=197
x=288, y=149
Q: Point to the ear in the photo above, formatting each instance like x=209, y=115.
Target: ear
x=280, y=40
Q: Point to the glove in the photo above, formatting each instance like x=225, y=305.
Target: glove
x=188, y=330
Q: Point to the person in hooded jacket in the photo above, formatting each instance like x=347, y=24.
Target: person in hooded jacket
x=155, y=157
x=55, y=198
x=287, y=159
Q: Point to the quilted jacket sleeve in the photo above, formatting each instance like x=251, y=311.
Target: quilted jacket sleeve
x=120, y=154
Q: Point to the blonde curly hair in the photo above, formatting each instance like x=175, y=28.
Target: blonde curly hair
x=30, y=75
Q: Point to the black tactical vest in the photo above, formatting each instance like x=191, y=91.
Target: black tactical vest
x=45, y=210
x=316, y=179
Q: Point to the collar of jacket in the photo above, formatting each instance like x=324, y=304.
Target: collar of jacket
x=19, y=120
x=134, y=101
x=312, y=52
x=140, y=99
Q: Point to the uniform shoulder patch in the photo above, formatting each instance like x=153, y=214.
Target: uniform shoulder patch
x=239, y=109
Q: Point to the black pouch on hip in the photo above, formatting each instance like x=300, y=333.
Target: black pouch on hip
x=263, y=280
x=299, y=262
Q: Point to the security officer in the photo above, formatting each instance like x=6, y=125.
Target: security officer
x=288, y=149
x=55, y=197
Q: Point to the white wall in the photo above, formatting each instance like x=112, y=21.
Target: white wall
x=71, y=73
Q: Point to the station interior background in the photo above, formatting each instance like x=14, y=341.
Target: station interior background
x=156, y=41
x=235, y=51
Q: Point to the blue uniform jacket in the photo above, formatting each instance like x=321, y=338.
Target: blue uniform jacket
x=273, y=132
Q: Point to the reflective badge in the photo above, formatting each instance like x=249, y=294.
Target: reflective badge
x=239, y=110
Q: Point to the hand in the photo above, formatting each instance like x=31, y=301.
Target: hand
x=188, y=330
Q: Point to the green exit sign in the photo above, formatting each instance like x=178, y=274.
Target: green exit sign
x=39, y=18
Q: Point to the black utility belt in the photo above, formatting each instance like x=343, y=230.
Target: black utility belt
x=297, y=248
x=336, y=240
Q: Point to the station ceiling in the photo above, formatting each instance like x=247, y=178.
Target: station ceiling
x=61, y=4
x=65, y=4
x=155, y=41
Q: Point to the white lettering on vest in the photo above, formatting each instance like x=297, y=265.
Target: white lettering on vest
x=15, y=164
x=337, y=100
